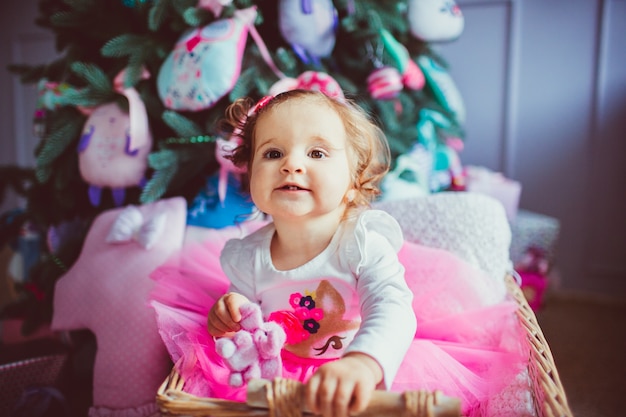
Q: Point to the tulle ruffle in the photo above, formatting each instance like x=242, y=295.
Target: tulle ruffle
x=466, y=345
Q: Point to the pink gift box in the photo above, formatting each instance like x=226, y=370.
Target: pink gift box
x=484, y=181
x=534, y=288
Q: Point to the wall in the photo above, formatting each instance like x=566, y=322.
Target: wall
x=21, y=41
x=544, y=83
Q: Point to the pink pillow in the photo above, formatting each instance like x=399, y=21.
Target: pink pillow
x=106, y=291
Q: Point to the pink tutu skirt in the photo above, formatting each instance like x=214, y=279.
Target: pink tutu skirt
x=466, y=345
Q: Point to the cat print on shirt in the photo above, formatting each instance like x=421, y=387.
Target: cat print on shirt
x=317, y=325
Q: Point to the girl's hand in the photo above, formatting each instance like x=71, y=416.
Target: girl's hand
x=343, y=387
x=224, y=316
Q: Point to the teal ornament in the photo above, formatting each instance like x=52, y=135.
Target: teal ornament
x=443, y=87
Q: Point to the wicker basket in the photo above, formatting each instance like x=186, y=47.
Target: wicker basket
x=548, y=393
x=283, y=398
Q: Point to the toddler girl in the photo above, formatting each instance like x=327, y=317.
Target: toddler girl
x=336, y=274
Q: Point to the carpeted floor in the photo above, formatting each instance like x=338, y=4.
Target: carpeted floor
x=587, y=337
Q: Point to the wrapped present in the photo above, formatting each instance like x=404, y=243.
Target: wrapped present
x=534, y=287
x=536, y=231
x=484, y=181
x=534, y=238
x=533, y=268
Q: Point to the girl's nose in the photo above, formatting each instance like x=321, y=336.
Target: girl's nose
x=292, y=164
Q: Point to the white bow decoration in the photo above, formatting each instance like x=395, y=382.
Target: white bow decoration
x=130, y=225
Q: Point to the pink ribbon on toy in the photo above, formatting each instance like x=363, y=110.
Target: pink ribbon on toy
x=139, y=126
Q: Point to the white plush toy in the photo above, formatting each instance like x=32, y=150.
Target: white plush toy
x=254, y=351
x=435, y=20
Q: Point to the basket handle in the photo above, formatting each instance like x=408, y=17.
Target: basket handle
x=285, y=397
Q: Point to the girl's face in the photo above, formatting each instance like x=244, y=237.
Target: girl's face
x=300, y=161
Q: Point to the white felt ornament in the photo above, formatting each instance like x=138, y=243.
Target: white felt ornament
x=114, y=147
x=435, y=20
x=309, y=27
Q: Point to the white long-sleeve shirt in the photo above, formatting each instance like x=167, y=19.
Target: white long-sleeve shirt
x=352, y=297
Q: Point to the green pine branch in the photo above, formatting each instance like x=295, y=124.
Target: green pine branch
x=65, y=130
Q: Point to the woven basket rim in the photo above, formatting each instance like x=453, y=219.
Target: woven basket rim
x=35, y=359
x=548, y=392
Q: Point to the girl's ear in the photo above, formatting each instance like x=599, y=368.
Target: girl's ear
x=350, y=195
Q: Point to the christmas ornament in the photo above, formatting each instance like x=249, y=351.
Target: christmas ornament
x=309, y=27
x=410, y=177
x=205, y=63
x=51, y=96
x=384, y=83
x=309, y=80
x=114, y=146
x=435, y=20
x=446, y=168
x=412, y=76
x=443, y=87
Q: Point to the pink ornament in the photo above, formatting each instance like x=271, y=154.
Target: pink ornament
x=385, y=83
x=284, y=84
x=310, y=80
x=413, y=77
x=455, y=143
x=320, y=81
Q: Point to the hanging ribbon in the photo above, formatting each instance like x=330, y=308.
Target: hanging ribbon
x=225, y=147
x=139, y=126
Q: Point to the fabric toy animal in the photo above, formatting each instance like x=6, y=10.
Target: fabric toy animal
x=254, y=351
x=114, y=145
x=205, y=63
x=309, y=27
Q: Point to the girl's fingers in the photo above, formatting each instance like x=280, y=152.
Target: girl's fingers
x=360, y=399
x=312, y=387
x=221, y=320
x=341, y=400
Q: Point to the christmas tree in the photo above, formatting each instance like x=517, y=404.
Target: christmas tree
x=151, y=78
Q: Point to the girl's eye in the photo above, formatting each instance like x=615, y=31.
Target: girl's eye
x=272, y=154
x=317, y=154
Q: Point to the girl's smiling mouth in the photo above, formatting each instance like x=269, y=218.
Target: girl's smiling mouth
x=292, y=187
